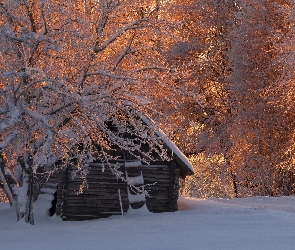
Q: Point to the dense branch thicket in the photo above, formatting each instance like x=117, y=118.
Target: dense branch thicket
x=244, y=130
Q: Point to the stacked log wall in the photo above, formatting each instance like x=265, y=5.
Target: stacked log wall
x=101, y=198
x=166, y=178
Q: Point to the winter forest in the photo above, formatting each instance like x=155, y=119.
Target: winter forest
x=216, y=76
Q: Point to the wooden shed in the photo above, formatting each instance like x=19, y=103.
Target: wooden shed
x=107, y=195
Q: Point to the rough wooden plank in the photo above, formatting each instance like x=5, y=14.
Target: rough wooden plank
x=95, y=203
x=77, y=217
x=101, y=198
x=94, y=209
x=92, y=212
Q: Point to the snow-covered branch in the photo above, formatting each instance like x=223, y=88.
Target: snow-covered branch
x=7, y=141
x=13, y=118
x=130, y=26
x=110, y=75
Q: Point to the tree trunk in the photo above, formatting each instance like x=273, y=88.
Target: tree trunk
x=234, y=183
x=20, y=193
x=24, y=202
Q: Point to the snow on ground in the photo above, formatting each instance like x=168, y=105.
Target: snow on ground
x=251, y=223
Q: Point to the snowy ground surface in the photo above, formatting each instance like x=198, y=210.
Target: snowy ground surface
x=251, y=223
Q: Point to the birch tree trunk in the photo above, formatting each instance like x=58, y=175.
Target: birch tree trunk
x=20, y=192
x=24, y=202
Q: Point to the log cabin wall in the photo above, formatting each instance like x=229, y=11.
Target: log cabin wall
x=101, y=198
x=164, y=194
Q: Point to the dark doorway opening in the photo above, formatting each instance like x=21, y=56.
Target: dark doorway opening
x=53, y=205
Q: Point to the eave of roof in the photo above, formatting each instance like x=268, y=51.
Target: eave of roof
x=180, y=158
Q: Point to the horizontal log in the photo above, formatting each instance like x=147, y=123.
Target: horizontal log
x=100, y=196
x=77, y=213
x=137, y=204
x=94, y=178
x=89, y=194
x=95, y=204
x=156, y=175
x=163, y=203
x=144, y=168
x=80, y=199
x=90, y=213
x=158, y=206
x=147, y=175
x=99, y=178
x=72, y=198
x=157, y=178
x=82, y=218
x=157, y=169
x=73, y=195
x=92, y=207
x=95, y=184
x=109, y=189
x=99, y=191
x=96, y=212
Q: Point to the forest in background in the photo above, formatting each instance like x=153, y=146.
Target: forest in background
x=217, y=76
x=240, y=134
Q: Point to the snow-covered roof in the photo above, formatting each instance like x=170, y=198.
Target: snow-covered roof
x=180, y=158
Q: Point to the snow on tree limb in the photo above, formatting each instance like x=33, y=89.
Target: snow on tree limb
x=72, y=69
x=7, y=141
x=110, y=75
x=132, y=25
x=13, y=117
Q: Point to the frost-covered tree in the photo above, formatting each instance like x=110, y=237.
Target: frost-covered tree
x=207, y=113
x=244, y=127
x=260, y=56
x=69, y=69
